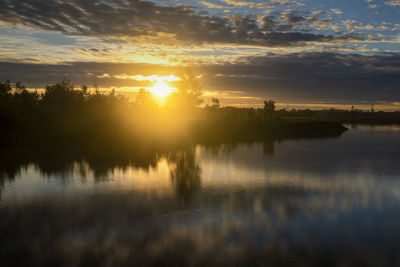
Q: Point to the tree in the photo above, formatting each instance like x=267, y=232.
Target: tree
x=5, y=88
x=19, y=86
x=269, y=108
x=188, y=94
x=145, y=99
x=215, y=103
x=84, y=90
x=25, y=98
x=58, y=93
x=62, y=97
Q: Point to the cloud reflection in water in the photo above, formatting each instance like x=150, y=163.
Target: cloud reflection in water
x=311, y=202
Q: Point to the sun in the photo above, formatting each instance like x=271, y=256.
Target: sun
x=161, y=89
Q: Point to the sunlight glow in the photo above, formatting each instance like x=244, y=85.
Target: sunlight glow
x=161, y=89
x=151, y=78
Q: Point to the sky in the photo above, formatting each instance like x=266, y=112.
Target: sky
x=314, y=53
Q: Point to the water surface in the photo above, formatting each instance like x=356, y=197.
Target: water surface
x=296, y=202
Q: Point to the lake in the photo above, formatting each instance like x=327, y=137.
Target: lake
x=315, y=202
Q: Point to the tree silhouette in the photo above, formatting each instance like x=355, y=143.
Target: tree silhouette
x=5, y=88
x=269, y=108
x=145, y=99
x=188, y=93
x=215, y=102
x=62, y=94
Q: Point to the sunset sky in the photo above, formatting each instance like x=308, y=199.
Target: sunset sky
x=314, y=53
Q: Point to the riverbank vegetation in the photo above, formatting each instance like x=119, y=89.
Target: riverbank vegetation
x=63, y=114
x=353, y=115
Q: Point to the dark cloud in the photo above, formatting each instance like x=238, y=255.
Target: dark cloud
x=300, y=77
x=331, y=77
x=133, y=18
x=40, y=75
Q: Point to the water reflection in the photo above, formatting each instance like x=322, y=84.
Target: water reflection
x=295, y=202
x=185, y=175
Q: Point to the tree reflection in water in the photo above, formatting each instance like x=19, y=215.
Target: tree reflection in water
x=294, y=203
x=186, y=176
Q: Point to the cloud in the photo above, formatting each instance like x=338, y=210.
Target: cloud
x=136, y=19
x=248, y=4
x=294, y=78
x=212, y=5
x=104, y=74
x=393, y=3
x=336, y=11
x=314, y=76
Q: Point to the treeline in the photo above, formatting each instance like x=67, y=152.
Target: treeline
x=262, y=114
x=62, y=114
x=353, y=115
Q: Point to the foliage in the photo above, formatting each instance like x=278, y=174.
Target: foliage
x=5, y=88
x=65, y=114
x=188, y=93
x=269, y=108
